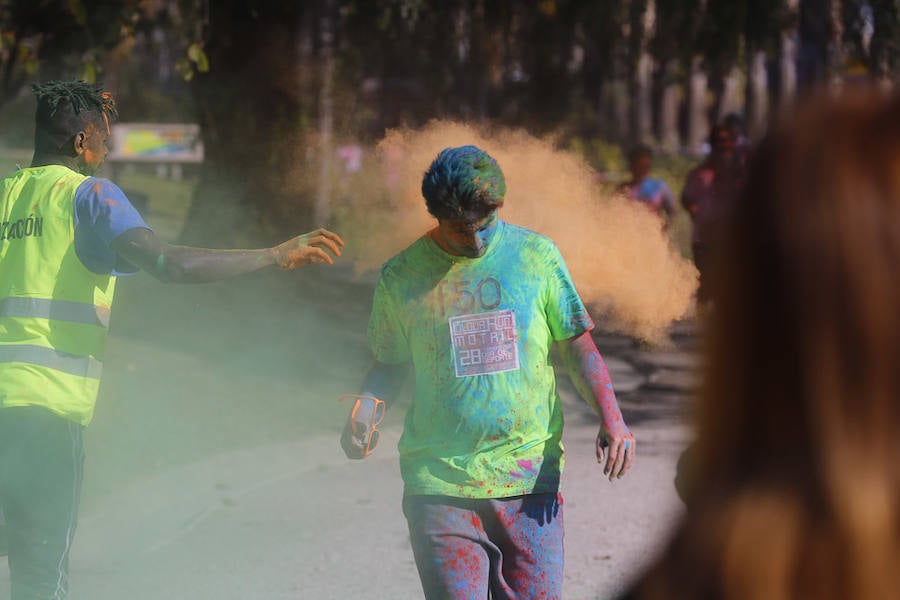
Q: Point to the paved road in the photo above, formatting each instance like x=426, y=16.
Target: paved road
x=291, y=520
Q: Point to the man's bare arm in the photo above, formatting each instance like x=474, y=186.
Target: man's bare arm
x=185, y=264
x=591, y=379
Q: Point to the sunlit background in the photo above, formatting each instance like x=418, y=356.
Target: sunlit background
x=245, y=122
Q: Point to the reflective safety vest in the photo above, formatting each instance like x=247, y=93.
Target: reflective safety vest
x=54, y=312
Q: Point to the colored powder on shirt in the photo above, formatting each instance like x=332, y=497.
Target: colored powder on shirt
x=486, y=419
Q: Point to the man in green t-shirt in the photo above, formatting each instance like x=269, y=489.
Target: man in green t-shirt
x=475, y=305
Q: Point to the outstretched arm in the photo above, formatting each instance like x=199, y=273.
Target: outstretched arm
x=591, y=379
x=381, y=382
x=185, y=264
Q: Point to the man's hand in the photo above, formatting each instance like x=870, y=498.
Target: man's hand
x=360, y=437
x=354, y=445
x=618, y=446
x=307, y=249
x=591, y=379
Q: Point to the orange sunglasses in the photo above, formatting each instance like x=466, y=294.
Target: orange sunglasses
x=372, y=441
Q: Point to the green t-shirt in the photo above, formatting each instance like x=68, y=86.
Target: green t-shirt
x=485, y=420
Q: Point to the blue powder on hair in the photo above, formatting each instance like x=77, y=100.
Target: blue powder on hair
x=463, y=181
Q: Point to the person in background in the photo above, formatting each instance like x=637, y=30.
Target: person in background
x=709, y=189
x=735, y=124
x=653, y=193
x=794, y=489
x=475, y=306
x=64, y=237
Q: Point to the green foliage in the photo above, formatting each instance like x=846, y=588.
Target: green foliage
x=603, y=156
x=392, y=14
x=58, y=39
x=257, y=70
x=88, y=71
x=198, y=57
x=194, y=62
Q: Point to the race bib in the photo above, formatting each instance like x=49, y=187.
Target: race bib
x=484, y=343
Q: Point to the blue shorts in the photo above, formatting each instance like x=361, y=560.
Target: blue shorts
x=466, y=548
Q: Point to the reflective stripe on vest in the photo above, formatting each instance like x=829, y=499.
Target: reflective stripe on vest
x=82, y=366
x=58, y=310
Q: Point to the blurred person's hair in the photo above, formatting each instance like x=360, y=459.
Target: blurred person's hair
x=718, y=134
x=734, y=122
x=637, y=152
x=796, y=476
x=463, y=182
x=66, y=107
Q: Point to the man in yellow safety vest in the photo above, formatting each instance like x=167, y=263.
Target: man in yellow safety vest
x=64, y=237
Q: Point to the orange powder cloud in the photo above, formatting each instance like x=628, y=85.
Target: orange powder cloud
x=622, y=262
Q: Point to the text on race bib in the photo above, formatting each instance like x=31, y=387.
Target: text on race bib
x=484, y=343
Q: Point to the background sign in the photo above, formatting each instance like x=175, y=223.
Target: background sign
x=156, y=142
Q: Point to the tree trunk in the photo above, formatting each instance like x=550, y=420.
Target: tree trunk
x=787, y=68
x=643, y=122
x=322, y=210
x=618, y=101
x=885, y=42
x=729, y=100
x=642, y=20
x=252, y=187
x=836, y=52
x=698, y=122
x=787, y=61
x=757, y=102
x=671, y=97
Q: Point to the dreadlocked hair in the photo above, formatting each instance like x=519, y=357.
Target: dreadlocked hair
x=78, y=95
x=66, y=107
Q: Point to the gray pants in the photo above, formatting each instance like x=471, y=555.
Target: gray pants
x=508, y=548
x=41, y=463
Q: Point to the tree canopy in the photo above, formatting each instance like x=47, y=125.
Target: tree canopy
x=272, y=82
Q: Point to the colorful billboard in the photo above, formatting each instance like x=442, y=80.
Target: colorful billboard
x=156, y=142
